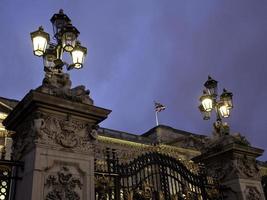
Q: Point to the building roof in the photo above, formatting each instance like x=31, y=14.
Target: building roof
x=124, y=135
x=158, y=134
x=6, y=105
x=171, y=129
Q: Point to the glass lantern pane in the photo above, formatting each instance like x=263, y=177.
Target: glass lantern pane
x=207, y=104
x=227, y=98
x=69, y=41
x=39, y=45
x=224, y=111
x=77, y=58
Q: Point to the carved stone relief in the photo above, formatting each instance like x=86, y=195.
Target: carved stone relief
x=54, y=130
x=240, y=167
x=221, y=171
x=63, y=186
x=247, y=168
x=59, y=84
x=252, y=193
x=216, y=144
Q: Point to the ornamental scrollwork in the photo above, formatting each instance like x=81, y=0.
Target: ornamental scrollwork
x=239, y=167
x=222, y=171
x=247, y=168
x=66, y=136
x=252, y=193
x=59, y=84
x=63, y=186
x=45, y=128
x=66, y=132
x=143, y=193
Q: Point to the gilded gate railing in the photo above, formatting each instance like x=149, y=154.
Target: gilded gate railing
x=151, y=176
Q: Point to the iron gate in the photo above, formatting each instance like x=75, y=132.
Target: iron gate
x=151, y=176
x=8, y=178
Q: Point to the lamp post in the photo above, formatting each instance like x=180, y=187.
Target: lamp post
x=222, y=106
x=65, y=35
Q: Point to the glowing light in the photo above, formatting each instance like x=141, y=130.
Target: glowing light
x=3, y=115
x=78, y=55
x=207, y=104
x=77, y=58
x=39, y=41
x=39, y=45
x=224, y=111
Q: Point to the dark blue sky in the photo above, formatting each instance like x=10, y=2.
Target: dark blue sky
x=140, y=51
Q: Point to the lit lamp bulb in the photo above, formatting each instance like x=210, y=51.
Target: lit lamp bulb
x=206, y=102
x=39, y=41
x=224, y=110
x=78, y=54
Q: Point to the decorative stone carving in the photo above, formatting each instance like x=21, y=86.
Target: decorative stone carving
x=247, y=168
x=220, y=171
x=252, y=193
x=220, y=129
x=93, y=133
x=240, y=167
x=216, y=144
x=57, y=83
x=68, y=133
x=241, y=139
x=63, y=186
x=264, y=184
x=54, y=130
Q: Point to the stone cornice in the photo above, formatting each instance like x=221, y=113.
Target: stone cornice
x=44, y=101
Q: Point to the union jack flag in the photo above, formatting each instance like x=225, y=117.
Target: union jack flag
x=159, y=107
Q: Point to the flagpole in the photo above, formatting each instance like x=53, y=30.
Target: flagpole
x=157, y=120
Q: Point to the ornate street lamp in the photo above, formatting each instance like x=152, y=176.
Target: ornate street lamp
x=206, y=101
x=222, y=106
x=39, y=41
x=66, y=36
x=78, y=54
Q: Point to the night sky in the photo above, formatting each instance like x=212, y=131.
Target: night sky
x=145, y=50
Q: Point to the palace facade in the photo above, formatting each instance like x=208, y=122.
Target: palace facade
x=123, y=165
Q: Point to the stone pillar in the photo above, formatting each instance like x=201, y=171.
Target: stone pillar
x=232, y=160
x=55, y=132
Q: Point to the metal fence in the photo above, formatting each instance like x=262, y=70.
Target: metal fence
x=151, y=176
